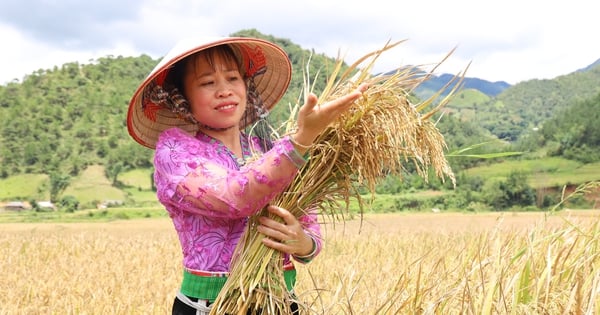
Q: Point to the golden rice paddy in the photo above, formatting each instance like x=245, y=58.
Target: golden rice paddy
x=434, y=263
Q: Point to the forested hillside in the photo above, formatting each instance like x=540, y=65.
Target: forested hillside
x=59, y=121
x=71, y=116
x=62, y=119
x=574, y=132
x=66, y=118
x=525, y=106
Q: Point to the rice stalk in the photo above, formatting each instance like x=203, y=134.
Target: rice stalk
x=380, y=133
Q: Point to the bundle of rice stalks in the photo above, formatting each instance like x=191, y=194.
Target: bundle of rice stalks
x=375, y=138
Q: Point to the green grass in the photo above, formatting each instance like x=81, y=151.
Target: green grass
x=23, y=187
x=138, y=178
x=92, y=186
x=467, y=98
x=89, y=188
x=138, y=186
x=141, y=197
x=545, y=172
x=88, y=215
x=389, y=203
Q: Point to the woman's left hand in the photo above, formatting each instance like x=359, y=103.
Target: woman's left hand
x=288, y=237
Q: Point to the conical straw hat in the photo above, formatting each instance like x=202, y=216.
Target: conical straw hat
x=263, y=60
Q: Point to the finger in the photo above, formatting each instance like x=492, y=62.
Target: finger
x=272, y=233
x=363, y=87
x=351, y=97
x=287, y=216
x=268, y=223
x=311, y=102
x=278, y=246
x=341, y=103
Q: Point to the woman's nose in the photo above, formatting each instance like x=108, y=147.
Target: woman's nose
x=224, y=90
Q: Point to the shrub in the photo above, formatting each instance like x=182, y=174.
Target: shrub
x=69, y=203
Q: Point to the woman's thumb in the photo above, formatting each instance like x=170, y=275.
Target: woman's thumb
x=311, y=102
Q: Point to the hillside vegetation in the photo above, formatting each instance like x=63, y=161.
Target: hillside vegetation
x=63, y=133
x=66, y=118
x=528, y=105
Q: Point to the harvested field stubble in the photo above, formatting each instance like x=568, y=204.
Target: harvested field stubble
x=397, y=264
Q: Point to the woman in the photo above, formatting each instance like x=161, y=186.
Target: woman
x=210, y=174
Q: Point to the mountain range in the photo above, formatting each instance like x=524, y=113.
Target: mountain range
x=492, y=89
x=435, y=83
x=509, y=111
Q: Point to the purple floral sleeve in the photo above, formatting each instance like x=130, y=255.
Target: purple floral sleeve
x=193, y=174
x=209, y=197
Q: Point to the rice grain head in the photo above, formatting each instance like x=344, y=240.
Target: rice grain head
x=380, y=133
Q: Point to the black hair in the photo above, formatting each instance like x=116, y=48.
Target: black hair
x=177, y=73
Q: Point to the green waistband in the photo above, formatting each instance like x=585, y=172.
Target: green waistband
x=207, y=288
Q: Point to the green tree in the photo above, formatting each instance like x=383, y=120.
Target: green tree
x=518, y=190
x=69, y=203
x=113, y=170
x=576, y=130
x=58, y=183
x=514, y=191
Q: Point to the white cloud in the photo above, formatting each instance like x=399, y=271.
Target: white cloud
x=510, y=40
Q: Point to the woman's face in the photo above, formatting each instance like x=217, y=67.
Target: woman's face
x=215, y=90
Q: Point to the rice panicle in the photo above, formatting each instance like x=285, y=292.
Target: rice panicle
x=381, y=133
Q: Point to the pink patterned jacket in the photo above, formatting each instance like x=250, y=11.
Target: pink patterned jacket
x=209, y=197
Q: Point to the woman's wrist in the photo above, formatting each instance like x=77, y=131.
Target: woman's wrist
x=311, y=252
x=299, y=145
x=301, y=142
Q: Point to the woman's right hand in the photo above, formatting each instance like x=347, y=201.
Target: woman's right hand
x=313, y=118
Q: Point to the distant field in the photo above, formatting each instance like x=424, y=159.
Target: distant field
x=92, y=187
x=546, y=172
x=86, y=215
x=23, y=186
x=445, y=263
x=463, y=104
x=139, y=178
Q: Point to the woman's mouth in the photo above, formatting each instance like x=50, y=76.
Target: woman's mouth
x=226, y=107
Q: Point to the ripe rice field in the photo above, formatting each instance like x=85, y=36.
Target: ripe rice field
x=433, y=263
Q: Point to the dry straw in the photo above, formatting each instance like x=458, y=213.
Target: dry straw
x=376, y=137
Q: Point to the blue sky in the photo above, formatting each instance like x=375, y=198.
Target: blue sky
x=507, y=40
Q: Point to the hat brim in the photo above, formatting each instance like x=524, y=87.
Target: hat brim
x=145, y=122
